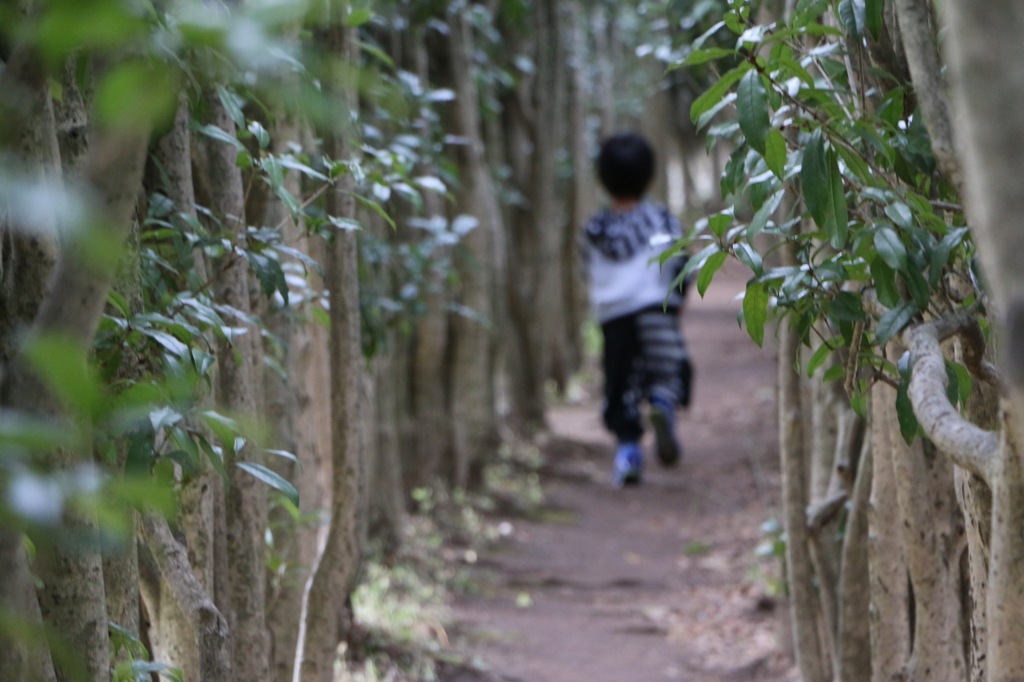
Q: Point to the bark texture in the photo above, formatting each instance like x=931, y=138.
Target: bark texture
x=245, y=500
x=890, y=606
x=211, y=638
x=475, y=430
x=328, y=612
x=799, y=573
x=72, y=599
x=853, y=655
x=21, y=658
x=918, y=29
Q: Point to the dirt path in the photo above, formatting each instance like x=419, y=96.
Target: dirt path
x=659, y=582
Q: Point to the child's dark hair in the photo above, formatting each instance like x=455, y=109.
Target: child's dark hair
x=625, y=165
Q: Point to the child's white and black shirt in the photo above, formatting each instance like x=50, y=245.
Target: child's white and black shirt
x=621, y=256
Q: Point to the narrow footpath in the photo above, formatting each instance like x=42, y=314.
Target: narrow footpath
x=661, y=581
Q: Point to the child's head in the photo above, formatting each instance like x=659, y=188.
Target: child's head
x=625, y=165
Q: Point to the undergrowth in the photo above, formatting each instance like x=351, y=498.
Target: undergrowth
x=402, y=605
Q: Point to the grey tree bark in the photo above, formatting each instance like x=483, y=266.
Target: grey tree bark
x=208, y=629
x=799, y=573
x=475, y=429
x=918, y=31
x=536, y=134
x=327, y=607
x=27, y=258
x=73, y=599
x=890, y=624
x=245, y=500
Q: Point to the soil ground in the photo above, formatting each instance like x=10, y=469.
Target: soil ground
x=659, y=581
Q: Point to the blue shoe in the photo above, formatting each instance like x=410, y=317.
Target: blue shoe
x=663, y=419
x=629, y=464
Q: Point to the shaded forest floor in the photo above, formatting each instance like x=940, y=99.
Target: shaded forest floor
x=656, y=582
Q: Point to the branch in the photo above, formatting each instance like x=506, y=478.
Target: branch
x=970, y=446
x=210, y=629
x=820, y=513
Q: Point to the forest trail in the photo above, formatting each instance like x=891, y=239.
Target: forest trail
x=656, y=582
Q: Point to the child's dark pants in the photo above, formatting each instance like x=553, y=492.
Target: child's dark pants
x=644, y=356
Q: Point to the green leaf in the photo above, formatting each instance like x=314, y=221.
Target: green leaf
x=873, y=20
x=755, y=310
x=709, y=54
x=269, y=273
x=257, y=130
x=713, y=94
x=891, y=248
x=377, y=53
x=221, y=135
x=918, y=287
x=905, y=412
x=20, y=432
x=274, y=171
x=823, y=190
x=824, y=352
x=358, y=17
x=775, y=153
x=885, y=283
x=290, y=201
x=216, y=459
x=378, y=209
x=893, y=321
x=62, y=364
x=749, y=256
x=808, y=11
x=65, y=27
x=764, y=214
x=233, y=105
x=833, y=373
x=224, y=428
x=960, y=383
x=346, y=224
x=940, y=254
x=900, y=214
x=138, y=96
x=752, y=107
x=271, y=478
x=721, y=130
x=708, y=270
x=846, y=307
x=291, y=162
x=117, y=300
x=699, y=41
x=851, y=14
x=719, y=223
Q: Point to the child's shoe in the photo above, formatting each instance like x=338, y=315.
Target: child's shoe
x=663, y=419
x=629, y=463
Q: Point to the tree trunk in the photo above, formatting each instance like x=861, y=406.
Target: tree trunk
x=21, y=657
x=475, y=430
x=327, y=607
x=27, y=258
x=245, y=501
x=210, y=636
x=932, y=531
x=72, y=599
x=535, y=138
x=890, y=596
x=919, y=32
x=583, y=196
x=386, y=504
x=985, y=81
x=854, y=636
x=799, y=574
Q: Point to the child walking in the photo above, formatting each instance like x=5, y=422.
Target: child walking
x=644, y=352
